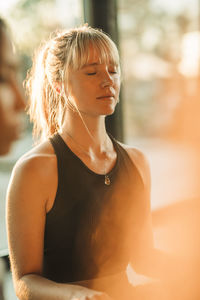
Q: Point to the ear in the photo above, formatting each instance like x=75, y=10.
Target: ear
x=57, y=87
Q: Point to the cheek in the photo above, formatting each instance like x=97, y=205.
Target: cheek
x=81, y=90
x=117, y=85
x=7, y=98
x=10, y=116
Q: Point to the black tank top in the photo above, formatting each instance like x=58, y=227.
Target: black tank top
x=86, y=232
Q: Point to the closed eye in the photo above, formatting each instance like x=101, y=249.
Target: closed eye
x=93, y=73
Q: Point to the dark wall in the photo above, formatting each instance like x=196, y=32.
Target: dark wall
x=103, y=14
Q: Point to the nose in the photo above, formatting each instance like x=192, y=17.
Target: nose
x=19, y=95
x=107, y=80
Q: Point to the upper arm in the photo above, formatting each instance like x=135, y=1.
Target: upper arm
x=27, y=197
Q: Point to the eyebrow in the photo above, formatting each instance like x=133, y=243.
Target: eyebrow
x=93, y=64
x=90, y=65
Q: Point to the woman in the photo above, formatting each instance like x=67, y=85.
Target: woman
x=73, y=198
x=11, y=98
x=11, y=106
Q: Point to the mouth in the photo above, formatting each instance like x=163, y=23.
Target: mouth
x=106, y=96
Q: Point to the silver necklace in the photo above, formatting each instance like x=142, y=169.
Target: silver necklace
x=107, y=180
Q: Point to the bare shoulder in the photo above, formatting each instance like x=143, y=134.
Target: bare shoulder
x=35, y=173
x=38, y=160
x=140, y=161
x=30, y=195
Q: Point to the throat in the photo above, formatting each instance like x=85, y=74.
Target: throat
x=101, y=160
x=101, y=166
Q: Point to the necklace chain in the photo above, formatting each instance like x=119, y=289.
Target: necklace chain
x=106, y=176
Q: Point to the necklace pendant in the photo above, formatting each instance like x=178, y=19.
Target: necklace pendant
x=107, y=180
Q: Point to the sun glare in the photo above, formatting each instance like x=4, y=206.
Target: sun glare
x=190, y=62
x=6, y=5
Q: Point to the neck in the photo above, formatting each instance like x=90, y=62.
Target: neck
x=87, y=138
x=88, y=131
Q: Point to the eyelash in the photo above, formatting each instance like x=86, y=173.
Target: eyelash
x=93, y=73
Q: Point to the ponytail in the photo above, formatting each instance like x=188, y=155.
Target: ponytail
x=43, y=102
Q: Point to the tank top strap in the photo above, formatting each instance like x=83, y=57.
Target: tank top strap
x=126, y=160
x=120, y=150
x=58, y=145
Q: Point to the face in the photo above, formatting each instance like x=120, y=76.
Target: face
x=11, y=99
x=95, y=87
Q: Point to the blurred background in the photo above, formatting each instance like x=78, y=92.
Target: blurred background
x=159, y=43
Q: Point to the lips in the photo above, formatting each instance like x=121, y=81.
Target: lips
x=106, y=96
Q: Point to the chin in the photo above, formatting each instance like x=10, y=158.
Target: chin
x=109, y=114
x=110, y=111
x=5, y=148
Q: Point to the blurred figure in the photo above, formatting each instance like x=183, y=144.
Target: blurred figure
x=11, y=105
x=11, y=98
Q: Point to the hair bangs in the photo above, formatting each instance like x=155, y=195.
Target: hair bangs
x=80, y=53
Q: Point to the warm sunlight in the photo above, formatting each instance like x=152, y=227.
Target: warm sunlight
x=190, y=63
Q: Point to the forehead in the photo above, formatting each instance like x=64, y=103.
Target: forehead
x=94, y=55
x=94, y=52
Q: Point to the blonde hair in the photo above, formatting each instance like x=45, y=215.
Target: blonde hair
x=51, y=64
